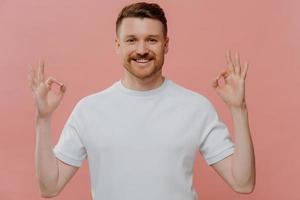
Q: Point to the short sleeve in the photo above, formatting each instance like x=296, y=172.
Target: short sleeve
x=70, y=148
x=216, y=143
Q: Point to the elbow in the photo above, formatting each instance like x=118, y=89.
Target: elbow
x=47, y=193
x=247, y=189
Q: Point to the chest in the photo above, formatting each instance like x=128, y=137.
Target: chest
x=146, y=129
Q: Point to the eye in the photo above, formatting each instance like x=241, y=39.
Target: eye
x=131, y=40
x=151, y=40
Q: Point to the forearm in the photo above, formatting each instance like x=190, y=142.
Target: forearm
x=45, y=161
x=243, y=163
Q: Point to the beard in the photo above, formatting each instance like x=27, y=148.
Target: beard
x=143, y=72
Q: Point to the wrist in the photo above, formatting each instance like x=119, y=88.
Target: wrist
x=42, y=118
x=240, y=108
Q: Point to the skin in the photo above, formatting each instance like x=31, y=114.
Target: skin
x=238, y=169
x=46, y=99
x=147, y=41
x=141, y=38
x=52, y=174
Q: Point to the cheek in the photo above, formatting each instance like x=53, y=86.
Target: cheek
x=160, y=53
x=127, y=52
x=124, y=53
x=159, y=49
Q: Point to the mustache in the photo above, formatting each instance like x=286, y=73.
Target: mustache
x=144, y=56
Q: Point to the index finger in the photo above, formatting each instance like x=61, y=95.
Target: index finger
x=51, y=80
x=41, y=71
x=237, y=63
x=229, y=61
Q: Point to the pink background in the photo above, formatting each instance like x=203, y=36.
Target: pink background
x=76, y=38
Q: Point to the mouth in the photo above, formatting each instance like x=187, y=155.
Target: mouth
x=142, y=61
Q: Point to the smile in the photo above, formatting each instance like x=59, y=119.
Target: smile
x=142, y=60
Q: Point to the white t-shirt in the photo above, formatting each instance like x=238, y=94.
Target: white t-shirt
x=141, y=145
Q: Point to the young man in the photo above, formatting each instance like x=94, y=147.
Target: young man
x=141, y=134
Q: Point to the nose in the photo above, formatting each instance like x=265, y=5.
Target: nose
x=141, y=48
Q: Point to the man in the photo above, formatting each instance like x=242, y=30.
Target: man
x=141, y=134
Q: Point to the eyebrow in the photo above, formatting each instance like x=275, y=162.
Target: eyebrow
x=153, y=36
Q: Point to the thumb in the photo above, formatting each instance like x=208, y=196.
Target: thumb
x=215, y=82
x=61, y=92
x=217, y=87
x=63, y=89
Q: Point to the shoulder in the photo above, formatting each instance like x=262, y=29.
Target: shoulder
x=95, y=99
x=190, y=96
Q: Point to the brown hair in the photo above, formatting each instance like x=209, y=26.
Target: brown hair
x=143, y=10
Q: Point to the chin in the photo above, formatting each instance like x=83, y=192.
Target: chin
x=142, y=72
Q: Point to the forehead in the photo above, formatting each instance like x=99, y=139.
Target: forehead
x=140, y=27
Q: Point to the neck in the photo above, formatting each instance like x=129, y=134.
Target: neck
x=144, y=84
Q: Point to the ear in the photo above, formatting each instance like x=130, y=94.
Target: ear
x=166, y=45
x=117, y=45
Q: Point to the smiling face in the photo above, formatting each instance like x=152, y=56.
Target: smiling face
x=141, y=46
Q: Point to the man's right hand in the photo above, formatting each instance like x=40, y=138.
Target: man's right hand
x=46, y=100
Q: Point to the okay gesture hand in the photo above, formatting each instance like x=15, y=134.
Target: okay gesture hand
x=46, y=99
x=232, y=91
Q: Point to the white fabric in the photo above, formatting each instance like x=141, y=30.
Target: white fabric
x=142, y=144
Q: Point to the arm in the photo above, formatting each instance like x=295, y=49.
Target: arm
x=238, y=170
x=52, y=174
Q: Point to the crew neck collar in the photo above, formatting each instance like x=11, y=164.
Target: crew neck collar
x=119, y=85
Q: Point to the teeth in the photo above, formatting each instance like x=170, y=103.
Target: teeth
x=142, y=60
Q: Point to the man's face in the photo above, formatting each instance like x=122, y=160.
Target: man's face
x=141, y=45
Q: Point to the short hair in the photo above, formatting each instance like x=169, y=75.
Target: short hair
x=143, y=10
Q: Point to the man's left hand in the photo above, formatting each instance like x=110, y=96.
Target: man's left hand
x=232, y=91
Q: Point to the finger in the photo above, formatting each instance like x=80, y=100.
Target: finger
x=229, y=61
x=245, y=69
x=237, y=64
x=215, y=82
x=63, y=88
x=52, y=80
x=34, y=74
x=31, y=78
x=41, y=71
x=224, y=75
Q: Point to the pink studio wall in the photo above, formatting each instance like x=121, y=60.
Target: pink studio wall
x=76, y=38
